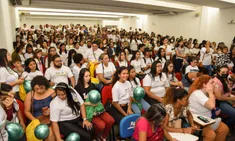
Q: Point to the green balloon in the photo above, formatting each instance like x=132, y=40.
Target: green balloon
x=27, y=86
x=41, y=131
x=15, y=131
x=73, y=137
x=138, y=93
x=94, y=96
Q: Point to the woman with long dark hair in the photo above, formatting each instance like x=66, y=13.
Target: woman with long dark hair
x=31, y=69
x=7, y=75
x=48, y=59
x=222, y=94
x=103, y=122
x=155, y=84
x=150, y=125
x=121, y=94
x=65, y=111
x=69, y=60
x=161, y=56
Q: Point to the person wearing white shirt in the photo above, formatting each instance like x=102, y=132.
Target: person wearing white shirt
x=105, y=70
x=167, y=48
x=155, y=84
x=121, y=60
x=59, y=73
x=69, y=60
x=201, y=102
x=133, y=43
x=141, y=48
x=121, y=94
x=7, y=75
x=161, y=56
x=193, y=65
x=206, y=57
x=65, y=111
x=63, y=53
x=77, y=47
x=31, y=70
x=93, y=54
x=135, y=82
x=147, y=61
x=137, y=63
x=78, y=60
x=29, y=51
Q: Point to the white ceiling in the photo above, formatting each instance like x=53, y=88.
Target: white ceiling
x=124, y=7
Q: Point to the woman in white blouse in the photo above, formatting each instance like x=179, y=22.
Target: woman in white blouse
x=155, y=84
x=137, y=63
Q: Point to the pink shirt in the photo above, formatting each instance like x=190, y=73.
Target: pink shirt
x=143, y=125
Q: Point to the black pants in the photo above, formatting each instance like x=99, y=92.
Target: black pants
x=149, y=100
x=178, y=64
x=116, y=114
x=68, y=127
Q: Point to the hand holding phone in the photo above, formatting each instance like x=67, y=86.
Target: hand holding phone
x=45, y=111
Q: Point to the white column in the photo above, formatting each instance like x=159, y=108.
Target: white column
x=7, y=25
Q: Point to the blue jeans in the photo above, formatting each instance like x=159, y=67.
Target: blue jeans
x=228, y=110
x=209, y=68
x=137, y=110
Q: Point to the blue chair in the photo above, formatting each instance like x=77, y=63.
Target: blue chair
x=127, y=125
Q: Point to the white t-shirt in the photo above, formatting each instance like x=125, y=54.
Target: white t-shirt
x=64, y=56
x=121, y=92
x=82, y=49
x=31, y=75
x=76, y=70
x=106, y=71
x=148, y=61
x=207, y=57
x=163, y=61
x=60, y=111
x=27, y=55
x=158, y=86
x=22, y=58
x=133, y=85
x=3, y=120
x=93, y=55
x=123, y=63
x=168, y=50
x=58, y=75
x=8, y=76
x=190, y=68
x=138, y=65
x=133, y=45
x=197, y=101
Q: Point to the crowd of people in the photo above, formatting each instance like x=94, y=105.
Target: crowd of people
x=180, y=77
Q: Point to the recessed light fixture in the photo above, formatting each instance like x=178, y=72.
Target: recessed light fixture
x=161, y=4
x=74, y=11
x=229, y=1
x=73, y=14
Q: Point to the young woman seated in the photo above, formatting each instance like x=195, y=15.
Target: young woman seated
x=149, y=127
x=65, y=111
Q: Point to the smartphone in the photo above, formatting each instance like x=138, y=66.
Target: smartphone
x=203, y=119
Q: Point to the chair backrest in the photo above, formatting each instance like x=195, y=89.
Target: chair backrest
x=106, y=94
x=127, y=125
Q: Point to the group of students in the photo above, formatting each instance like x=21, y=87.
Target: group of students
x=64, y=65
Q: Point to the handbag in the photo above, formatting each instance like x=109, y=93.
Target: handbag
x=43, y=119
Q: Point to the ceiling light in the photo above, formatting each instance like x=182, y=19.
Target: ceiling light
x=161, y=4
x=229, y=1
x=74, y=11
x=71, y=14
